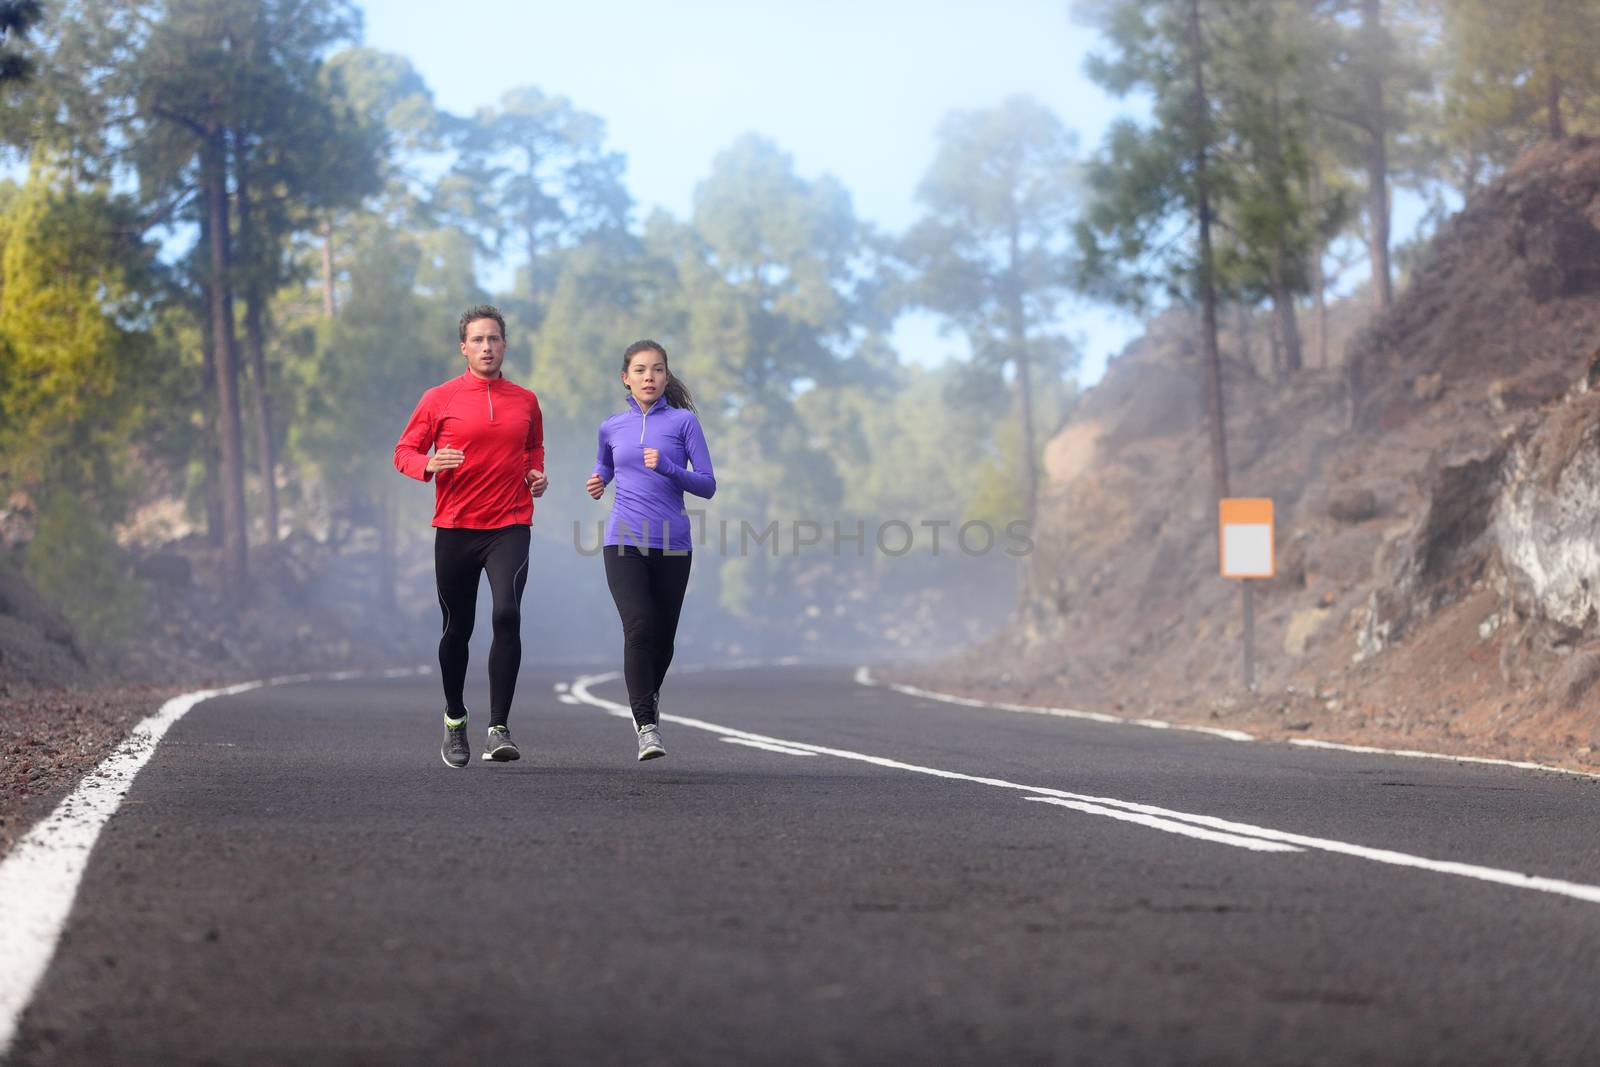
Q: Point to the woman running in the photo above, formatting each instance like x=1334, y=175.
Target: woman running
x=656, y=452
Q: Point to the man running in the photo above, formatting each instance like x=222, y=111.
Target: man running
x=487, y=439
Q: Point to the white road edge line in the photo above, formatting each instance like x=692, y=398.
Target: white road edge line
x=39, y=878
x=1515, y=879
x=863, y=676
x=786, y=750
x=1413, y=753
x=1060, y=713
x=1255, y=844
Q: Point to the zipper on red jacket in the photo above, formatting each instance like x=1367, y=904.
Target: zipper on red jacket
x=488, y=387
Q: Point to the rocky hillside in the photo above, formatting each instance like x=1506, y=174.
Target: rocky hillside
x=1437, y=497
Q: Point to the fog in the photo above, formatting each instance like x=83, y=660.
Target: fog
x=888, y=249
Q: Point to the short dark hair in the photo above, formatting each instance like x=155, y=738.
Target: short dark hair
x=482, y=311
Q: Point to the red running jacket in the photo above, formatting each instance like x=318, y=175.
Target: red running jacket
x=497, y=424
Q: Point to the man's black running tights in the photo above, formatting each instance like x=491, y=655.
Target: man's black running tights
x=459, y=556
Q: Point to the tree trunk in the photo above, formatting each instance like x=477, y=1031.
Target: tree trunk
x=533, y=284
x=1557, y=128
x=386, y=548
x=1282, y=290
x=251, y=254
x=266, y=452
x=1208, y=287
x=1018, y=328
x=1024, y=389
x=1378, y=231
x=1377, y=156
x=328, y=307
x=1241, y=325
x=1554, y=126
x=1552, y=90
x=235, y=550
x=1030, y=462
x=1319, y=278
x=209, y=445
x=1283, y=307
x=1319, y=282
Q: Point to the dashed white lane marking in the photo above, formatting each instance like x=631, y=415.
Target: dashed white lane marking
x=863, y=676
x=785, y=749
x=39, y=878
x=1515, y=879
x=1255, y=844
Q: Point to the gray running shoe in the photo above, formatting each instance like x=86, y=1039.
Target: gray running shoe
x=455, y=750
x=650, y=743
x=500, y=747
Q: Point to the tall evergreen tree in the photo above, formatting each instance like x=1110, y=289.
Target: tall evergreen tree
x=17, y=17
x=767, y=274
x=533, y=176
x=1519, y=73
x=993, y=251
x=1279, y=219
x=1150, y=225
x=297, y=152
x=1367, y=88
x=202, y=85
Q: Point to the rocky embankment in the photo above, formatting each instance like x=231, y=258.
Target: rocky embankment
x=1437, y=500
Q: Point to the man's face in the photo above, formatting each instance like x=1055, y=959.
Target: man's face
x=484, y=348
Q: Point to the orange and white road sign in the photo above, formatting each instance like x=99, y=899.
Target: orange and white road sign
x=1246, y=537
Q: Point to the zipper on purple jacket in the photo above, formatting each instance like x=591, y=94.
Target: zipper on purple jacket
x=644, y=414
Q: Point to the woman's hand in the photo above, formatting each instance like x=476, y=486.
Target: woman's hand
x=596, y=486
x=536, y=481
x=445, y=459
x=651, y=456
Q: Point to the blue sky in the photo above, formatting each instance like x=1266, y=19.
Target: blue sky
x=854, y=89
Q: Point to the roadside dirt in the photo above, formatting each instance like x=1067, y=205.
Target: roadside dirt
x=50, y=738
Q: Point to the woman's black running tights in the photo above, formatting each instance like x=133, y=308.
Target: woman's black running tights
x=648, y=586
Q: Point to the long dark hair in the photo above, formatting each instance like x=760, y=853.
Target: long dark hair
x=676, y=392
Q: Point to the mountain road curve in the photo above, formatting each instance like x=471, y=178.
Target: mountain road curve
x=820, y=871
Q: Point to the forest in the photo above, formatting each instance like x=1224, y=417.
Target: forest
x=234, y=243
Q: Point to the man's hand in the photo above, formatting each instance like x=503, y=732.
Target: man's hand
x=651, y=456
x=536, y=482
x=596, y=486
x=446, y=459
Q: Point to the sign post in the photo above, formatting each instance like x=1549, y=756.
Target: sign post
x=1244, y=543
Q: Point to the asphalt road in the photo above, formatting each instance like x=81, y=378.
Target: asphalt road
x=297, y=878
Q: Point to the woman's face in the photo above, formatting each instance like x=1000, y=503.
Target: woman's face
x=646, y=376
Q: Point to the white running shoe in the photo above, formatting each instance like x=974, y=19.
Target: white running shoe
x=650, y=743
